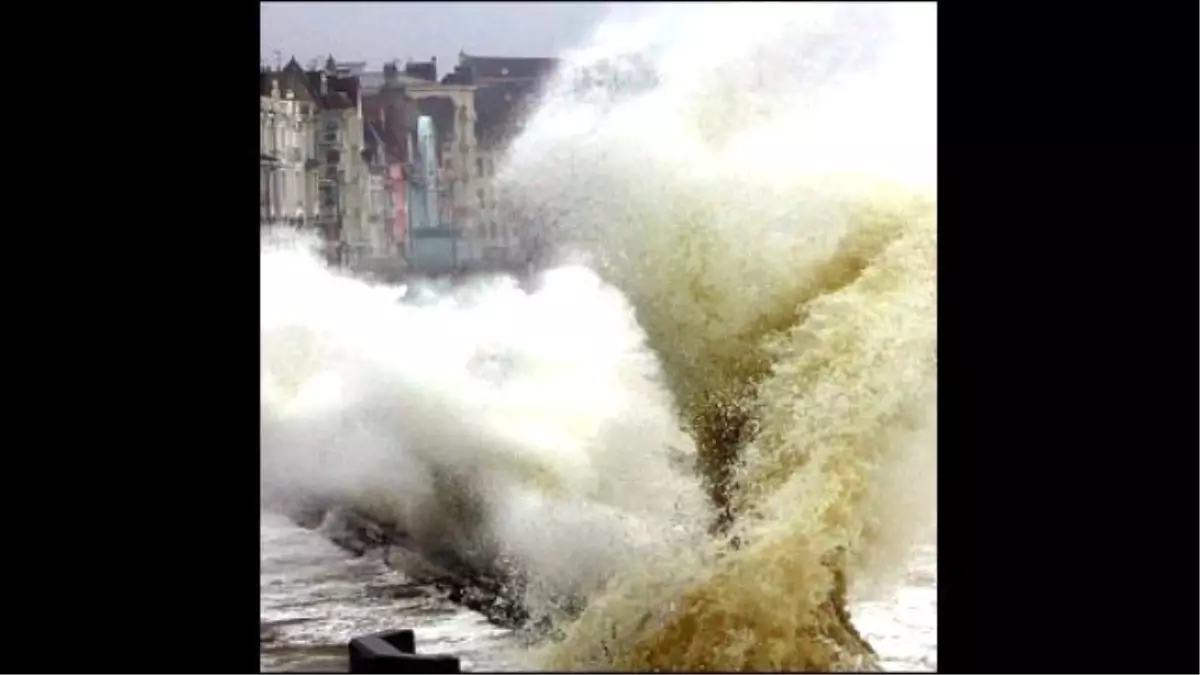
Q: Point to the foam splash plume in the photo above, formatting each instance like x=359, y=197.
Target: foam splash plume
x=758, y=181
x=492, y=422
x=717, y=420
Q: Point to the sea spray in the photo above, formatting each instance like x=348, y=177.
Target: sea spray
x=493, y=422
x=761, y=189
x=747, y=198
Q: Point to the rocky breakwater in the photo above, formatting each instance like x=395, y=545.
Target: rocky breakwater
x=469, y=571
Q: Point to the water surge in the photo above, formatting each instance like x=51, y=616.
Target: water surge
x=759, y=183
x=713, y=417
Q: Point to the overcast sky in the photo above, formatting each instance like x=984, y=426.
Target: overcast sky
x=377, y=32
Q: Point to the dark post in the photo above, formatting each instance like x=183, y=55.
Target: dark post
x=395, y=652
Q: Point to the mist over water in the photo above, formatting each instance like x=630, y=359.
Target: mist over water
x=493, y=421
x=743, y=328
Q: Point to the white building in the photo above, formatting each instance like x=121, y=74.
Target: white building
x=288, y=181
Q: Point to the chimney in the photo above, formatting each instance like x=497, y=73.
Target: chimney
x=324, y=88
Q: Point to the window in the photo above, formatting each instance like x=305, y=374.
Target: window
x=328, y=197
x=492, y=230
x=479, y=166
x=480, y=194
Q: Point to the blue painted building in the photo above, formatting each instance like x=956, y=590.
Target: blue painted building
x=432, y=246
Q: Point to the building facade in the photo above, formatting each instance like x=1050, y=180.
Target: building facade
x=311, y=157
x=504, y=92
x=340, y=153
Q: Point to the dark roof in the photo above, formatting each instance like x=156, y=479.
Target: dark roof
x=345, y=85
x=341, y=92
x=423, y=70
x=294, y=75
x=459, y=76
x=291, y=78
x=485, y=68
x=501, y=107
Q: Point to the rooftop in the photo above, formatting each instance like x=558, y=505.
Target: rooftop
x=507, y=67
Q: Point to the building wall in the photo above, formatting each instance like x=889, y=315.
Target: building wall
x=343, y=184
x=468, y=168
x=286, y=132
x=458, y=154
x=364, y=199
x=379, y=216
x=493, y=237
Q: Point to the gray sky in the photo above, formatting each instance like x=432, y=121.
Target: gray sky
x=377, y=31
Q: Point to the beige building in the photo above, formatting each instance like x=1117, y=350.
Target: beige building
x=378, y=205
x=311, y=143
x=342, y=187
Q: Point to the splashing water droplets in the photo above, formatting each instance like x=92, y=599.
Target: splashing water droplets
x=721, y=416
